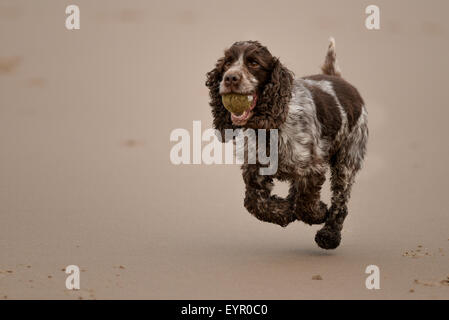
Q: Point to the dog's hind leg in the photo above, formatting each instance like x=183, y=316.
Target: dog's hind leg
x=342, y=178
x=344, y=166
x=259, y=201
x=309, y=208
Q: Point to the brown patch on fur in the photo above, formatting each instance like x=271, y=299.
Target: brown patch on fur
x=327, y=112
x=272, y=105
x=349, y=97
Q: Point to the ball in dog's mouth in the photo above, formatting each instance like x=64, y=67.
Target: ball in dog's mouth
x=240, y=106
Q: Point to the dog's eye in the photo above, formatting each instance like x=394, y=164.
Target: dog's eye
x=227, y=64
x=253, y=63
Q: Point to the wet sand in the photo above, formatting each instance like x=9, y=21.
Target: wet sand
x=86, y=179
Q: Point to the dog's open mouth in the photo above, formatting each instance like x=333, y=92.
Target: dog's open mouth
x=241, y=119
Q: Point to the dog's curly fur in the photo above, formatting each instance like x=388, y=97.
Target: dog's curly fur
x=322, y=123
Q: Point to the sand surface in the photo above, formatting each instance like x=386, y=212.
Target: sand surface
x=86, y=179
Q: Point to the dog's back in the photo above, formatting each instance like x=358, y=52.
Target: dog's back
x=340, y=109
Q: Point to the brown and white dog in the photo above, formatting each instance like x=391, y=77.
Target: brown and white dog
x=321, y=122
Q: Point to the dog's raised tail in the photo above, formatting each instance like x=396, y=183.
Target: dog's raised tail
x=330, y=66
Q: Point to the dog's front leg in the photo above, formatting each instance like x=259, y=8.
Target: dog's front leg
x=259, y=201
x=309, y=208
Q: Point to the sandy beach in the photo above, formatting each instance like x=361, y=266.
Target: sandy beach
x=85, y=171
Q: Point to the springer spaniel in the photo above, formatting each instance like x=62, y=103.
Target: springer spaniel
x=321, y=121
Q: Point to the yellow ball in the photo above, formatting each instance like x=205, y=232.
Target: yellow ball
x=236, y=103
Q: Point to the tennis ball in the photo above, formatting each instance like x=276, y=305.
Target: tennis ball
x=236, y=103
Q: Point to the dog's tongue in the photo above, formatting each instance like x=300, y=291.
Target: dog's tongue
x=240, y=118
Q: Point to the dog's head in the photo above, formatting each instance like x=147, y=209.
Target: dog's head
x=248, y=68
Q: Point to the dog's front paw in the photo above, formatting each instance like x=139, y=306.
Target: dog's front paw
x=328, y=238
x=317, y=216
x=271, y=209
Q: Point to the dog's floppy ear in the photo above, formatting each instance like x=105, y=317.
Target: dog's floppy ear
x=222, y=118
x=275, y=97
x=281, y=82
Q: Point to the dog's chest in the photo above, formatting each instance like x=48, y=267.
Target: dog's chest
x=299, y=137
x=294, y=148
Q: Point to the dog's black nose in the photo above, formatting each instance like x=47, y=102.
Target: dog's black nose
x=232, y=79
